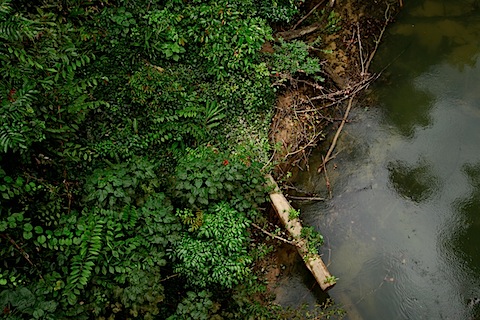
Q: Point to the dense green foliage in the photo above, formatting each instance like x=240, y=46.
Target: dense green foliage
x=110, y=185
x=215, y=253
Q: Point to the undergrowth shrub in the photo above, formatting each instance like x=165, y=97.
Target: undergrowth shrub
x=205, y=176
x=215, y=254
x=127, y=183
x=292, y=58
x=90, y=91
x=196, y=306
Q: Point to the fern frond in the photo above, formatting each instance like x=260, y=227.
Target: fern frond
x=9, y=139
x=5, y=7
x=14, y=28
x=89, y=249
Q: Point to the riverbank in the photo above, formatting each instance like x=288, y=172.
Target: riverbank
x=345, y=37
x=311, y=114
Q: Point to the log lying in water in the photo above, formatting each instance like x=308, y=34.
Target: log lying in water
x=313, y=261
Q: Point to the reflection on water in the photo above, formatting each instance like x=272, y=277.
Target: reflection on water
x=416, y=183
x=403, y=229
x=408, y=107
x=466, y=237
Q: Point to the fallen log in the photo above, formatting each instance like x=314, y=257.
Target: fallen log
x=313, y=261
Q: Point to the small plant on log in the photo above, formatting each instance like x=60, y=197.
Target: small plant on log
x=313, y=239
x=293, y=214
x=330, y=280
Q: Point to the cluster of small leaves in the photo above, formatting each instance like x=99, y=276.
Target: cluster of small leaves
x=193, y=220
x=216, y=253
x=292, y=58
x=314, y=239
x=206, y=176
x=127, y=183
x=195, y=306
x=279, y=11
x=333, y=21
x=27, y=303
x=293, y=214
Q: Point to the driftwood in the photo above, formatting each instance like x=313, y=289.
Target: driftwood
x=313, y=261
x=293, y=34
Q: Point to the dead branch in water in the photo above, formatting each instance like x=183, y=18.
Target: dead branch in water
x=327, y=180
x=377, y=42
x=311, y=143
x=357, y=87
x=337, y=134
x=305, y=198
x=347, y=92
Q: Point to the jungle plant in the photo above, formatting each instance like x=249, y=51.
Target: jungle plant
x=292, y=58
x=127, y=183
x=102, y=103
x=193, y=220
x=216, y=253
x=195, y=306
x=313, y=239
x=206, y=176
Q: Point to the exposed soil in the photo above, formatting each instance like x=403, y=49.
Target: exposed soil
x=307, y=112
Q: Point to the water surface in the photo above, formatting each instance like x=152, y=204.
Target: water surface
x=403, y=228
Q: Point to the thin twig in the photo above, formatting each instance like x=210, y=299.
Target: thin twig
x=337, y=134
x=311, y=143
x=327, y=180
x=296, y=189
x=293, y=243
x=269, y=160
x=24, y=254
x=377, y=42
x=308, y=14
x=306, y=198
x=352, y=89
x=329, y=256
x=294, y=34
x=169, y=277
x=360, y=49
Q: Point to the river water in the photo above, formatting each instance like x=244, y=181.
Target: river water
x=402, y=231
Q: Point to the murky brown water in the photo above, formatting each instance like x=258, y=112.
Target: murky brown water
x=403, y=228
